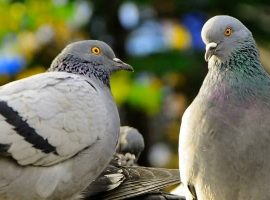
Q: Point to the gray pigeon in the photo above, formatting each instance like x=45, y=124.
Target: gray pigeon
x=225, y=134
x=59, y=129
x=130, y=146
x=125, y=180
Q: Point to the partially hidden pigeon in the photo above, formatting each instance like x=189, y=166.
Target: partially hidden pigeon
x=225, y=133
x=59, y=129
x=130, y=146
x=124, y=179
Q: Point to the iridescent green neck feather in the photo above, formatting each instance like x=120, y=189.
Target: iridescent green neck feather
x=236, y=76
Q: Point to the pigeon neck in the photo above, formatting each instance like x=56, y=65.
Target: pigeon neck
x=243, y=60
x=75, y=65
x=241, y=76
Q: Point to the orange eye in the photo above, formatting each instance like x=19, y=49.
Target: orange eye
x=228, y=31
x=96, y=50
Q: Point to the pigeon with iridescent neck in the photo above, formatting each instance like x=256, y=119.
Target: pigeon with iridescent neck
x=225, y=132
x=59, y=129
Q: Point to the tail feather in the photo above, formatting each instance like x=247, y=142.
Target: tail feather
x=135, y=191
x=158, y=196
x=141, y=180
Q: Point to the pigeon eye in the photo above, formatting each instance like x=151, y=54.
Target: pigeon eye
x=228, y=31
x=96, y=50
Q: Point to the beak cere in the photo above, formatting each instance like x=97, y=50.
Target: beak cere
x=121, y=65
x=210, y=50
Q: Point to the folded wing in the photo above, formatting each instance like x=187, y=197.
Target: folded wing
x=47, y=118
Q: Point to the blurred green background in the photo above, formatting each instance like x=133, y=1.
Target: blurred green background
x=160, y=39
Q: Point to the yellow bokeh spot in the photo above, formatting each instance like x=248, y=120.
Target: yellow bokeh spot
x=180, y=37
x=30, y=72
x=27, y=44
x=121, y=86
x=17, y=10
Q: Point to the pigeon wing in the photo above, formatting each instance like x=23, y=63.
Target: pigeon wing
x=46, y=118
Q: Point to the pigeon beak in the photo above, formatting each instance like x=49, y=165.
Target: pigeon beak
x=210, y=50
x=121, y=65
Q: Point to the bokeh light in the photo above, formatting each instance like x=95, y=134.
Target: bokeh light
x=129, y=15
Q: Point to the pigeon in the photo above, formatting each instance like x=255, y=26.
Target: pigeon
x=130, y=146
x=126, y=180
x=59, y=129
x=224, y=136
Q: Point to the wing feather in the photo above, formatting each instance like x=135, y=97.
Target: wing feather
x=47, y=118
x=137, y=181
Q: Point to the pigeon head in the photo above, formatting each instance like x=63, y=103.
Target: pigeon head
x=222, y=35
x=130, y=141
x=89, y=58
